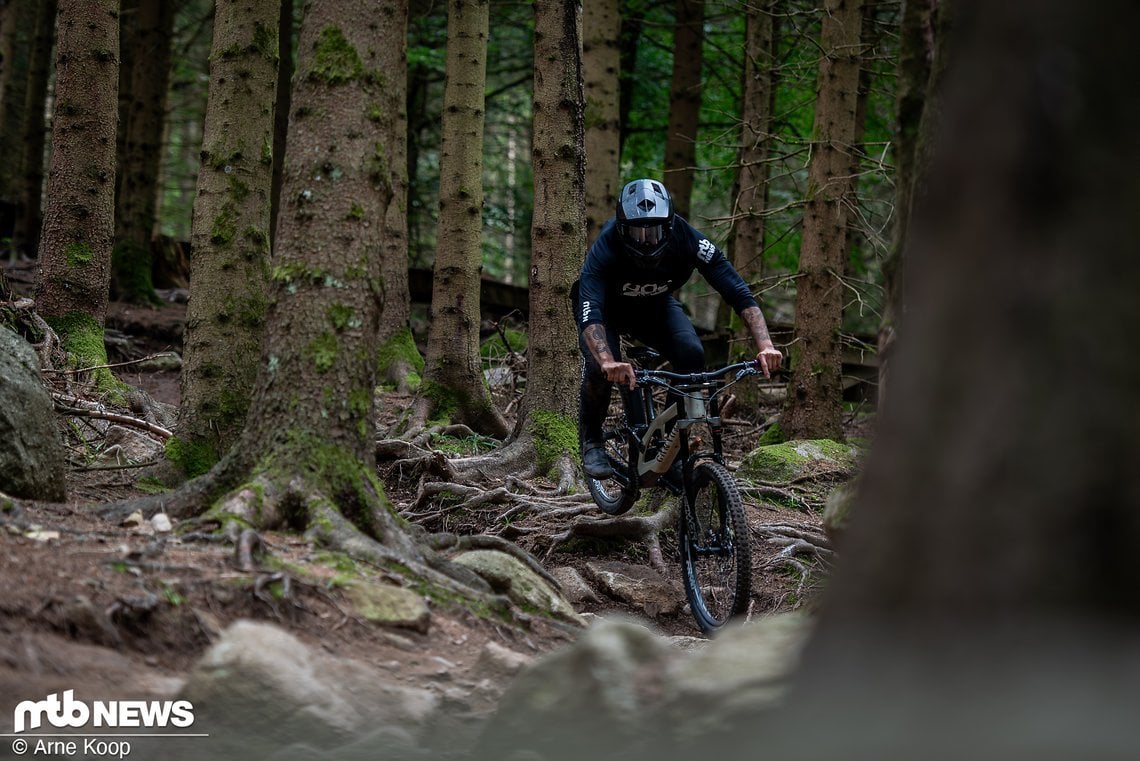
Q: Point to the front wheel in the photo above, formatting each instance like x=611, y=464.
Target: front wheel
x=716, y=553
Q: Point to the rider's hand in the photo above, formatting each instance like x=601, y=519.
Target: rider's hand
x=619, y=372
x=770, y=359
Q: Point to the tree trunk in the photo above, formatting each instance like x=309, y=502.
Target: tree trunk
x=147, y=35
x=75, y=249
x=454, y=385
x=988, y=579
x=17, y=32
x=400, y=360
x=229, y=272
x=26, y=236
x=752, y=178
x=557, y=235
x=815, y=397
x=281, y=111
x=684, y=103
x=308, y=443
x=601, y=65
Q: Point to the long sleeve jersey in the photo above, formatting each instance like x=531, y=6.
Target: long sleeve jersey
x=611, y=280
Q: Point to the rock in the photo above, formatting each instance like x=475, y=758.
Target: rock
x=510, y=576
x=131, y=446
x=582, y=701
x=498, y=662
x=794, y=459
x=637, y=585
x=745, y=670
x=622, y=691
x=161, y=523
x=167, y=361
x=574, y=588
x=258, y=689
x=390, y=605
x=32, y=460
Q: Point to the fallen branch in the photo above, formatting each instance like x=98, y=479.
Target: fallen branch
x=65, y=404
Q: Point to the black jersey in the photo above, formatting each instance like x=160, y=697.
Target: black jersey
x=611, y=280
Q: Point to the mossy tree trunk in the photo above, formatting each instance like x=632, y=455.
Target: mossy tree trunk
x=454, y=386
x=601, y=69
x=400, y=360
x=306, y=456
x=988, y=578
x=305, y=460
x=815, y=393
x=75, y=248
x=549, y=414
x=147, y=34
x=229, y=271
x=684, y=102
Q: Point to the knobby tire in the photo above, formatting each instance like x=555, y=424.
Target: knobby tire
x=716, y=555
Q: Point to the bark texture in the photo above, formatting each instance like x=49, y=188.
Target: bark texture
x=75, y=251
x=147, y=37
x=453, y=375
x=557, y=239
x=684, y=103
x=225, y=319
x=815, y=393
x=601, y=68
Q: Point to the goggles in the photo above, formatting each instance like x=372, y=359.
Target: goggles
x=647, y=237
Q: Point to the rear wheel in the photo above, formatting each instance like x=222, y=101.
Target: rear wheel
x=618, y=493
x=716, y=554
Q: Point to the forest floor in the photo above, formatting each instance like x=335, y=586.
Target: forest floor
x=116, y=610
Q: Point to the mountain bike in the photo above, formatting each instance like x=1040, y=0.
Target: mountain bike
x=654, y=436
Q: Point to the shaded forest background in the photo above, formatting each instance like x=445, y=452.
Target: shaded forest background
x=647, y=56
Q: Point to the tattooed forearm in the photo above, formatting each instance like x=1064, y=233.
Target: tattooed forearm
x=595, y=336
x=754, y=319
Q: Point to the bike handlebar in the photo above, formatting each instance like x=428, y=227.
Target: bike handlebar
x=663, y=377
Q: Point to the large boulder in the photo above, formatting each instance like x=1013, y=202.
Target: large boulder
x=792, y=460
x=259, y=689
x=623, y=691
x=32, y=461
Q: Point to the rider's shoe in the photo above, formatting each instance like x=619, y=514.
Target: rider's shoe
x=595, y=462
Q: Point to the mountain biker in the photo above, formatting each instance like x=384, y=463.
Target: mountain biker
x=640, y=257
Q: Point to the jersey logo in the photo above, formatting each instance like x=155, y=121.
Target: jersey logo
x=705, y=250
x=647, y=289
x=585, y=311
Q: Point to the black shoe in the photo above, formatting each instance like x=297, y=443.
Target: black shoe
x=595, y=462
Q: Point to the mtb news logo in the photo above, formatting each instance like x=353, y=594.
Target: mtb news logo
x=67, y=712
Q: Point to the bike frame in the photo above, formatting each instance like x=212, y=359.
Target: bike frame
x=698, y=394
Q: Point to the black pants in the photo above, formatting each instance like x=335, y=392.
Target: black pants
x=659, y=323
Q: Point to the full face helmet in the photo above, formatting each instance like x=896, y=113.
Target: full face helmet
x=645, y=220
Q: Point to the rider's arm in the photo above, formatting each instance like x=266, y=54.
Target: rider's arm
x=721, y=275
x=768, y=355
x=591, y=303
